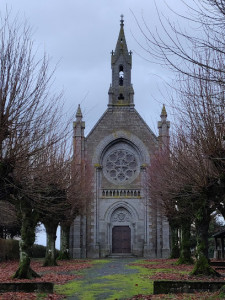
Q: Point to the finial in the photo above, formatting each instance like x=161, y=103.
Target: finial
x=121, y=20
x=163, y=113
x=79, y=113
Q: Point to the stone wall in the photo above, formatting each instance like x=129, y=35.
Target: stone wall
x=175, y=287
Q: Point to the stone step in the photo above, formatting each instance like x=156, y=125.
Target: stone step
x=121, y=255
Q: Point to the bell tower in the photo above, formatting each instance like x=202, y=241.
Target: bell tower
x=121, y=91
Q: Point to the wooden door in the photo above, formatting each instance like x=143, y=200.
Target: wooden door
x=121, y=239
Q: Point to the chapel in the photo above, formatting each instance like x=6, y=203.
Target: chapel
x=122, y=218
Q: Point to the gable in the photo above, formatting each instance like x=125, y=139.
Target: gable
x=120, y=123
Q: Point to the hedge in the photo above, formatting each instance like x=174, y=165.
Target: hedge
x=9, y=249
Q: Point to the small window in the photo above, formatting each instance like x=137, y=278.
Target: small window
x=121, y=75
x=121, y=97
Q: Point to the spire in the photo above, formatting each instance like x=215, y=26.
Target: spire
x=163, y=113
x=121, y=46
x=163, y=127
x=78, y=137
x=79, y=113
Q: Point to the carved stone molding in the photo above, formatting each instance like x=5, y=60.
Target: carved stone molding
x=121, y=193
x=121, y=215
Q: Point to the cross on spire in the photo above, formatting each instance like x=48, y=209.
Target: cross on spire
x=121, y=20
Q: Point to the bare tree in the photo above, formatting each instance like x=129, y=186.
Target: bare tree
x=79, y=194
x=60, y=189
x=197, y=59
x=29, y=124
x=48, y=188
x=186, y=197
x=200, y=43
x=173, y=197
x=196, y=178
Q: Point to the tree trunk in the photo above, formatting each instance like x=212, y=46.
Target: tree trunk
x=50, y=257
x=65, y=234
x=202, y=265
x=185, y=252
x=175, y=250
x=29, y=222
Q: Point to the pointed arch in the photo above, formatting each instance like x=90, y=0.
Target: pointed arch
x=116, y=137
x=121, y=205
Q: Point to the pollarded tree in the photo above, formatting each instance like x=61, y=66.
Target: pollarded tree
x=186, y=197
x=194, y=199
x=50, y=191
x=79, y=193
x=60, y=190
x=29, y=123
x=204, y=106
x=188, y=189
x=174, y=198
x=55, y=212
x=197, y=59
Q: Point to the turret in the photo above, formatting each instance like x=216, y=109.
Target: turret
x=78, y=136
x=164, y=127
x=121, y=91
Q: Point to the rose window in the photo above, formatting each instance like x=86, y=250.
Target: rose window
x=120, y=166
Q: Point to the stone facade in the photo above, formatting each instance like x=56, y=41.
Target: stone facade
x=122, y=218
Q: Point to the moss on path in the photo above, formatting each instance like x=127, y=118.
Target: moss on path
x=109, y=280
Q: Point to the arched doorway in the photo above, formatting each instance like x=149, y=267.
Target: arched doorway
x=121, y=239
x=121, y=231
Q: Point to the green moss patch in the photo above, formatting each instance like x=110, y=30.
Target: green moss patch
x=130, y=282
x=109, y=287
x=100, y=261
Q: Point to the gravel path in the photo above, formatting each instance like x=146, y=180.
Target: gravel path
x=96, y=282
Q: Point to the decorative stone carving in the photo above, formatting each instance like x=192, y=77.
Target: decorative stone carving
x=121, y=165
x=121, y=215
x=121, y=193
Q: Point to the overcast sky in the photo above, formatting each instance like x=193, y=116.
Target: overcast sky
x=80, y=36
